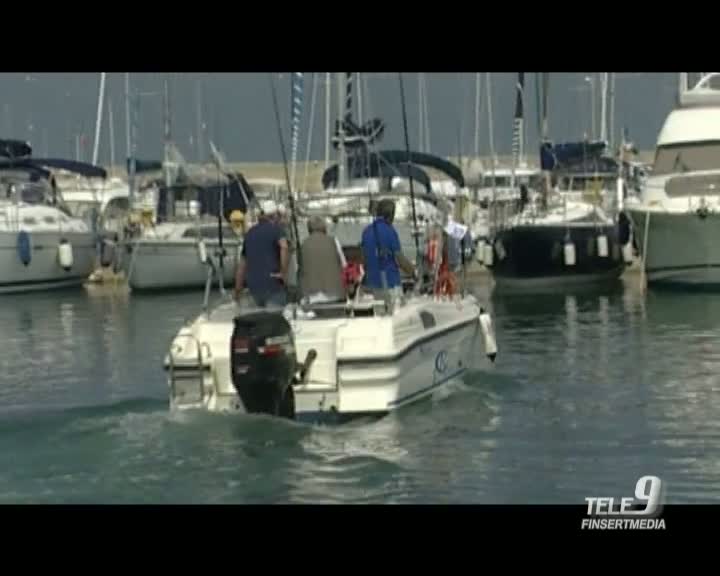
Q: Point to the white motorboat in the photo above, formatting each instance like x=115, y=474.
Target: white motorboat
x=676, y=216
x=339, y=360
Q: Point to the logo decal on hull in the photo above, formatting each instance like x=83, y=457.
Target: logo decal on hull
x=441, y=362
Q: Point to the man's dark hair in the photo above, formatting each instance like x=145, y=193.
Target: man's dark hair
x=386, y=209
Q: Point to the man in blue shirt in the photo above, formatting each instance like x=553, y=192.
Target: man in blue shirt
x=264, y=264
x=381, y=250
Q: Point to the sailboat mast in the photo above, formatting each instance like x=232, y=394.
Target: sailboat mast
x=198, y=120
x=98, y=118
x=341, y=132
x=477, y=114
x=327, y=119
x=518, y=127
x=167, y=137
x=611, y=131
x=111, y=122
x=296, y=93
x=359, y=99
x=127, y=114
x=426, y=116
x=421, y=119
x=488, y=86
x=545, y=129
x=603, y=105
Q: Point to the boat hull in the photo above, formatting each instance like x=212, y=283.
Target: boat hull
x=683, y=249
x=426, y=348
x=166, y=265
x=44, y=272
x=533, y=256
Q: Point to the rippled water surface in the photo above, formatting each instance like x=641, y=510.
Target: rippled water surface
x=590, y=391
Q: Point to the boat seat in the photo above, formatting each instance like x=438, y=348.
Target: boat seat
x=340, y=309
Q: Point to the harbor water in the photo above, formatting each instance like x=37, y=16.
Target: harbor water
x=590, y=391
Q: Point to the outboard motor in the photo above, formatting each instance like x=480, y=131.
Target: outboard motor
x=263, y=363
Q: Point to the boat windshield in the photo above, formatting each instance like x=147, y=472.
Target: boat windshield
x=83, y=210
x=687, y=157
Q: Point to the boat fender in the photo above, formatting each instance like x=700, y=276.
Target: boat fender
x=487, y=254
x=569, y=252
x=500, y=249
x=488, y=335
x=702, y=212
x=602, y=246
x=624, y=228
x=107, y=253
x=24, y=247
x=65, y=254
x=627, y=253
x=202, y=251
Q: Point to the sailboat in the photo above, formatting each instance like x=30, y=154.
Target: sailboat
x=556, y=240
x=42, y=246
x=190, y=219
x=365, y=174
x=338, y=360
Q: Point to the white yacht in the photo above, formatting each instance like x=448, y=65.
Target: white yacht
x=675, y=216
x=41, y=245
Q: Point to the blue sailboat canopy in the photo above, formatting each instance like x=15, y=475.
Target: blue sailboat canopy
x=14, y=149
x=38, y=167
x=576, y=157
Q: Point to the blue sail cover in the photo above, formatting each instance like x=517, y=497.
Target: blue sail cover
x=82, y=168
x=39, y=167
x=575, y=156
x=15, y=149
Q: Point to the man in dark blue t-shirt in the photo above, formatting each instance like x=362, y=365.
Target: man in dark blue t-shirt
x=381, y=250
x=264, y=264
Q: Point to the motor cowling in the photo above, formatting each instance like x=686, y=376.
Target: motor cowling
x=263, y=363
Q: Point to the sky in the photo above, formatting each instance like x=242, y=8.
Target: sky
x=56, y=111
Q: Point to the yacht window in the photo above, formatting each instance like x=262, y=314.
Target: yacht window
x=29, y=221
x=687, y=157
x=49, y=220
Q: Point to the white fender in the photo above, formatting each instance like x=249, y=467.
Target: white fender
x=488, y=335
x=500, y=249
x=65, y=255
x=569, y=250
x=487, y=254
x=202, y=251
x=602, y=246
x=627, y=252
